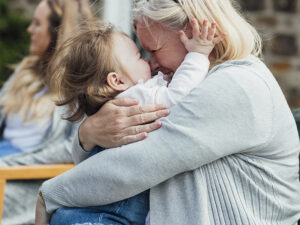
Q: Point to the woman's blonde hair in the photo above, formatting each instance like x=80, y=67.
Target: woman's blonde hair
x=21, y=95
x=241, y=38
x=80, y=75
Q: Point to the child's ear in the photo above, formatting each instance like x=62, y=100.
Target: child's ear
x=117, y=81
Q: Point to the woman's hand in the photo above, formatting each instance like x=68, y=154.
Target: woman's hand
x=120, y=122
x=41, y=215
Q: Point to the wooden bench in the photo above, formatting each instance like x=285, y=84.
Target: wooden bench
x=28, y=173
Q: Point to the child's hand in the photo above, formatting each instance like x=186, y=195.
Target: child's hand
x=203, y=42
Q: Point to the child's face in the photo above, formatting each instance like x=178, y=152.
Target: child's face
x=129, y=55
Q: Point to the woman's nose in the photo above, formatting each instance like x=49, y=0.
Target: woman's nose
x=29, y=29
x=154, y=65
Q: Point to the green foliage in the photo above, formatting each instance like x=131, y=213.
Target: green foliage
x=14, y=39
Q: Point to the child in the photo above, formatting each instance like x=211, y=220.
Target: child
x=101, y=64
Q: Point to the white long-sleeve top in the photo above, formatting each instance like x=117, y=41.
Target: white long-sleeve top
x=157, y=90
x=26, y=136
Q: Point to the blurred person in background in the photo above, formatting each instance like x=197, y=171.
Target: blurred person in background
x=32, y=130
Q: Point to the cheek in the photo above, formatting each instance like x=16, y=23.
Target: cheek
x=45, y=39
x=170, y=61
x=46, y=36
x=40, y=42
x=146, y=71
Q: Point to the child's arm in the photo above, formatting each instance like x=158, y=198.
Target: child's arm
x=188, y=75
x=196, y=63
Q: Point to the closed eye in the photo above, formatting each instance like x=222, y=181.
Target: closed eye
x=154, y=51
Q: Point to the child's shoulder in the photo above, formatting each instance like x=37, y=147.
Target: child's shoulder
x=157, y=81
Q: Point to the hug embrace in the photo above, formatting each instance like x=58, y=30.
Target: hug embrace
x=224, y=147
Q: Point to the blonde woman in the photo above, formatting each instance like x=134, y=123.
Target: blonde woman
x=227, y=154
x=27, y=106
x=32, y=129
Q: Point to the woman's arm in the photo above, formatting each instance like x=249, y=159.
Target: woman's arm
x=118, y=122
x=229, y=112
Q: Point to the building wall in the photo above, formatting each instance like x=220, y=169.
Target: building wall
x=278, y=21
x=118, y=12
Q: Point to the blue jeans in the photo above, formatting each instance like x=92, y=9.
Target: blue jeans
x=6, y=148
x=132, y=211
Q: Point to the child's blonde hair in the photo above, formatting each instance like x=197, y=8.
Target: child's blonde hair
x=81, y=73
x=241, y=38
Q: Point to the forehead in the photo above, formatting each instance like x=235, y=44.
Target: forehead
x=121, y=41
x=151, y=35
x=42, y=10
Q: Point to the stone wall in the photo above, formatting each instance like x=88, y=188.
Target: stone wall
x=278, y=21
x=27, y=7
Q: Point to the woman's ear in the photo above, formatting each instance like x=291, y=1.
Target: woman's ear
x=117, y=81
x=188, y=30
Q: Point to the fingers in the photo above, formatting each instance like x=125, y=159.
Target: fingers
x=211, y=32
x=124, y=102
x=183, y=38
x=195, y=28
x=133, y=138
x=204, y=30
x=207, y=33
x=139, y=109
x=146, y=117
x=139, y=133
x=219, y=38
x=143, y=128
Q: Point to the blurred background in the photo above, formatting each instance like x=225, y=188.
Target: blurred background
x=278, y=21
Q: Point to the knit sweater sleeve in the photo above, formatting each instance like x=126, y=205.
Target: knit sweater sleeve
x=230, y=112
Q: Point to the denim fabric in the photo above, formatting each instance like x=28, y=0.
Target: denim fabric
x=6, y=148
x=132, y=211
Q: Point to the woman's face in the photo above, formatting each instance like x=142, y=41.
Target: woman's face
x=39, y=30
x=166, y=50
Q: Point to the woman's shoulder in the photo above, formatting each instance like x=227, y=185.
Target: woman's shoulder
x=248, y=72
x=250, y=64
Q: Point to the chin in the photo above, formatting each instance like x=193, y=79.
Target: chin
x=35, y=52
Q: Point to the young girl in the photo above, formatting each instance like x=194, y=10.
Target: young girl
x=100, y=64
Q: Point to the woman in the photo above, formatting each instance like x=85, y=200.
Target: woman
x=32, y=129
x=227, y=154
